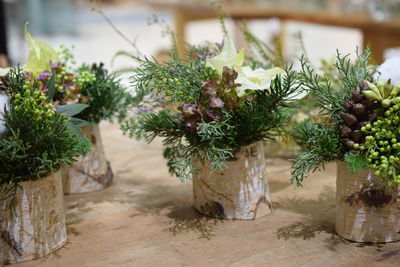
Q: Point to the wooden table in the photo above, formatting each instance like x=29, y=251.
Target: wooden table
x=146, y=219
x=378, y=35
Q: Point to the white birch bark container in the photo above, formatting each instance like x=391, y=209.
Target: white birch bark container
x=38, y=228
x=91, y=172
x=240, y=191
x=366, y=210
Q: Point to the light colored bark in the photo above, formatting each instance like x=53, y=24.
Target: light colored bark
x=366, y=210
x=241, y=191
x=39, y=225
x=91, y=172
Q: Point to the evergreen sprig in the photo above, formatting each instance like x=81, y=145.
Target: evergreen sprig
x=320, y=143
x=178, y=80
x=106, y=97
x=38, y=141
x=202, y=120
x=320, y=139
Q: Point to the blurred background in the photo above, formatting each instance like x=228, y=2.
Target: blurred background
x=323, y=25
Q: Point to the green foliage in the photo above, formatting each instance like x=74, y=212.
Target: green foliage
x=320, y=143
x=352, y=73
x=266, y=115
x=106, y=97
x=38, y=141
x=214, y=139
x=330, y=99
x=356, y=162
x=178, y=80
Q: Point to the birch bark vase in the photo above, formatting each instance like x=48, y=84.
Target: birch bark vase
x=240, y=191
x=38, y=228
x=366, y=210
x=91, y=172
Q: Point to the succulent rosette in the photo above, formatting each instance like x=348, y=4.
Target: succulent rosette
x=360, y=119
x=213, y=102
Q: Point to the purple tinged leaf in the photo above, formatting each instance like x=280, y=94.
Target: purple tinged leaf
x=216, y=102
x=189, y=110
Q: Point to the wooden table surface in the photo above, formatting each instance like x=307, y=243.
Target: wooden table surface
x=146, y=219
x=379, y=35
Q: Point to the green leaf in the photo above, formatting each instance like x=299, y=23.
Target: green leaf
x=80, y=123
x=51, y=86
x=356, y=162
x=72, y=109
x=40, y=54
x=74, y=129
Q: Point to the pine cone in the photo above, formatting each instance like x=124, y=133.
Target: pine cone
x=359, y=111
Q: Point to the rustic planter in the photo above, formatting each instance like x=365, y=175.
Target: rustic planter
x=240, y=191
x=366, y=210
x=38, y=228
x=91, y=172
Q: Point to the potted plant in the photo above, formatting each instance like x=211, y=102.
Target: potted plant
x=36, y=143
x=213, y=111
x=359, y=128
x=91, y=85
x=107, y=99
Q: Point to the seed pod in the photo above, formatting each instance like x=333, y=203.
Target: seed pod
x=363, y=85
x=368, y=103
x=395, y=91
x=372, y=95
x=357, y=97
x=386, y=103
x=373, y=116
x=358, y=109
x=374, y=89
x=348, y=143
x=346, y=131
x=348, y=105
x=357, y=136
x=349, y=119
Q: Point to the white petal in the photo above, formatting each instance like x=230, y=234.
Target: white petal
x=389, y=70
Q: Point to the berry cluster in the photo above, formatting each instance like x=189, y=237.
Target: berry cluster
x=382, y=142
x=32, y=99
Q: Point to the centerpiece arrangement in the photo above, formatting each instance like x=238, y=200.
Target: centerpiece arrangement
x=91, y=85
x=359, y=127
x=213, y=108
x=37, y=141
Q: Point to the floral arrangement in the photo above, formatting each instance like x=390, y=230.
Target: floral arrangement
x=209, y=104
x=359, y=120
x=92, y=85
x=38, y=139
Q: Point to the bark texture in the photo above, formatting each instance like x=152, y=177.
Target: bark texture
x=240, y=191
x=91, y=172
x=366, y=210
x=39, y=225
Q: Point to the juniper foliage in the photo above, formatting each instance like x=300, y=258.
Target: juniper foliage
x=33, y=147
x=107, y=98
x=320, y=138
x=217, y=136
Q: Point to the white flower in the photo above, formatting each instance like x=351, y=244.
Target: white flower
x=3, y=103
x=389, y=70
x=258, y=79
